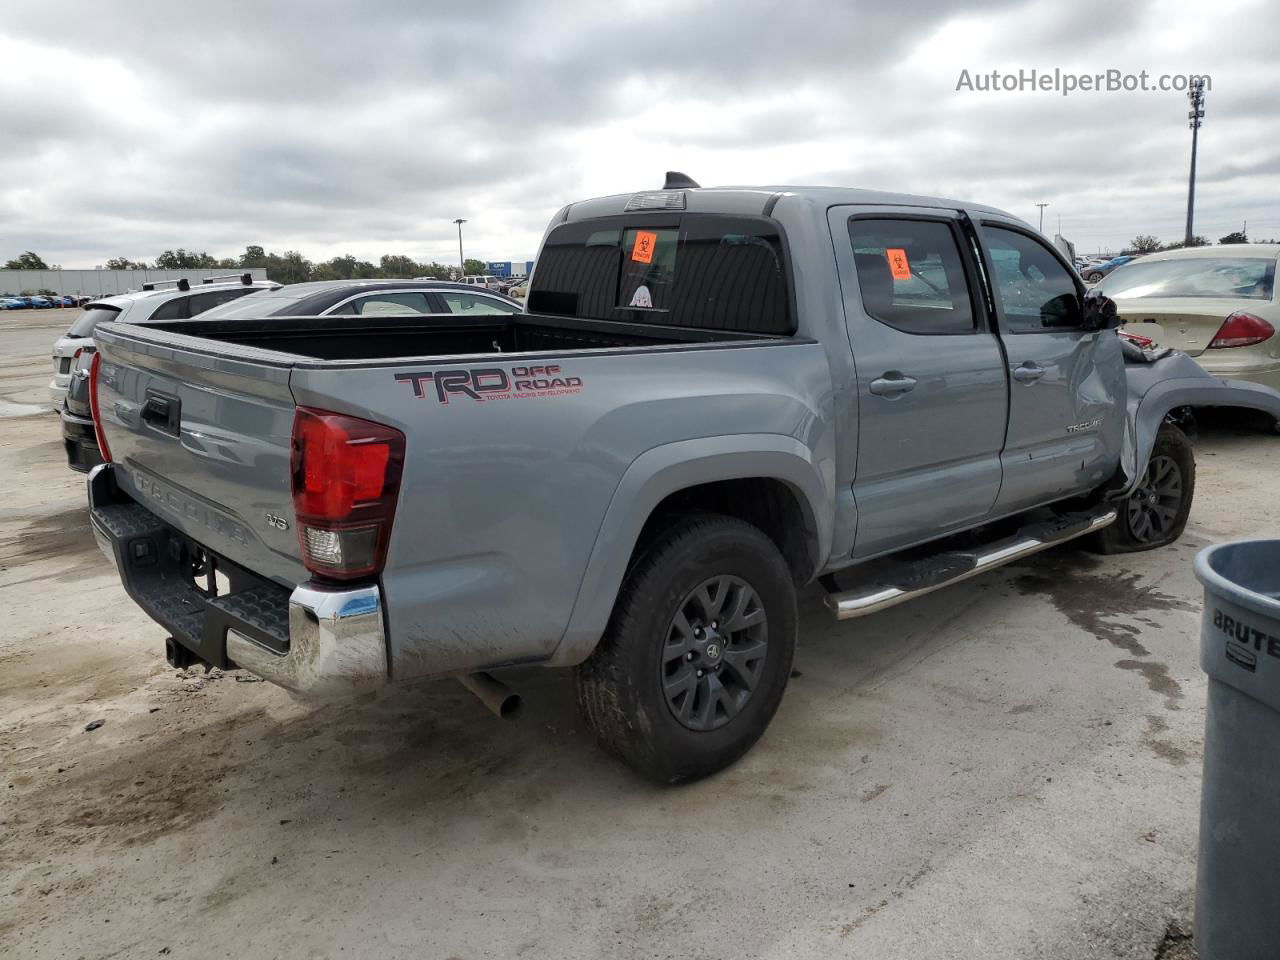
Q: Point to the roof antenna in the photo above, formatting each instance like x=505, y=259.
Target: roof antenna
x=679, y=181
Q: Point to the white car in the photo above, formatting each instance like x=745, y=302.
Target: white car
x=482, y=280
x=162, y=300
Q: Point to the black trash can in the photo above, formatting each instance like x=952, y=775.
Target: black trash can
x=1238, y=877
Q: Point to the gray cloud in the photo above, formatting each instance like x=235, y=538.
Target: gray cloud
x=366, y=128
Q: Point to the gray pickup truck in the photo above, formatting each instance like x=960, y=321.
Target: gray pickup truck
x=715, y=397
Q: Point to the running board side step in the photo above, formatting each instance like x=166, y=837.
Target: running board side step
x=907, y=580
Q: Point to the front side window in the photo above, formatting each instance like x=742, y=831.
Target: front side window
x=1246, y=278
x=473, y=305
x=1035, y=291
x=911, y=276
x=692, y=270
x=386, y=305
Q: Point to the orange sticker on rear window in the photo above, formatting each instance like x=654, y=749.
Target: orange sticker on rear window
x=898, y=265
x=642, y=250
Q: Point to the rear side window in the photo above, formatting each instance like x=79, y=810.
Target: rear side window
x=175, y=309
x=386, y=305
x=714, y=272
x=83, y=327
x=911, y=276
x=475, y=305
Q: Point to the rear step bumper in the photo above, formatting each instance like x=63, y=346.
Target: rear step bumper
x=315, y=641
x=906, y=581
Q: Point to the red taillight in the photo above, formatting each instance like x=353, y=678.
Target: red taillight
x=1242, y=330
x=95, y=410
x=345, y=478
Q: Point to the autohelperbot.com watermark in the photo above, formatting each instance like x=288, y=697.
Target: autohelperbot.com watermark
x=1066, y=82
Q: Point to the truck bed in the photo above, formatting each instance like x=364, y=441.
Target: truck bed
x=438, y=335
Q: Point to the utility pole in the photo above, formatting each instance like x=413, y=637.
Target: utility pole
x=1195, y=115
x=462, y=263
x=1042, y=206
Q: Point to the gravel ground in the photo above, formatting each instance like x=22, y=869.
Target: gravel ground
x=1007, y=768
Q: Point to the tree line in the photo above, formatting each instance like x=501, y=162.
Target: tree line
x=288, y=267
x=1146, y=243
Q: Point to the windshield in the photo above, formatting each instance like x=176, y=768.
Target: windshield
x=1230, y=277
x=83, y=327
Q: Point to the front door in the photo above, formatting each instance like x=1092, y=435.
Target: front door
x=1067, y=384
x=932, y=395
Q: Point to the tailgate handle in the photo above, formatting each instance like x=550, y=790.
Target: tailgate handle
x=163, y=413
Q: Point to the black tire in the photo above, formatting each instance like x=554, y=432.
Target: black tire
x=624, y=688
x=1094, y=277
x=1145, y=523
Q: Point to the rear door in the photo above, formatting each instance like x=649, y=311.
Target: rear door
x=932, y=396
x=1067, y=386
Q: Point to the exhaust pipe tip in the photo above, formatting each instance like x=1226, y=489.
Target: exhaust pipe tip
x=503, y=702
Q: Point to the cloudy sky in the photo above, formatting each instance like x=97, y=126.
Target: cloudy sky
x=128, y=128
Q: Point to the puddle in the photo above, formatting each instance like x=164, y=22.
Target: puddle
x=1099, y=603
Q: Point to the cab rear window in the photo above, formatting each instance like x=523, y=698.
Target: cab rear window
x=691, y=270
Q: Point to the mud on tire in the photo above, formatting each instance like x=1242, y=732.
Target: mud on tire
x=697, y=653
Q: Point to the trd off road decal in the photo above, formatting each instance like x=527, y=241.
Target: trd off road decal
x=492, y=383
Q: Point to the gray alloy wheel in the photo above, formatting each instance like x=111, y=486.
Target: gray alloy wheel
x=1153, y=506
x=714, y=652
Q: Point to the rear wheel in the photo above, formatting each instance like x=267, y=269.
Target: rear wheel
x=1156, y=512
x=1094, y=277
x=697, y=653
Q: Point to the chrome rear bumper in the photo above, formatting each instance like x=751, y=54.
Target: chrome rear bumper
x=318, y=641
x=337, y=644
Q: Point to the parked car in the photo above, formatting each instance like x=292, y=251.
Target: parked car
x=636, y=476
x=369, y=298
x=1095, y=272
x=520, y=290
x=15, y=303
x=482, y=280
x=79, y=439
x=365, y=298
x=1218, y=304
x=40, y=303
x=162, y=300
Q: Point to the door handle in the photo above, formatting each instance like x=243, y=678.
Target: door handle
x=1028, y=373
x=162, y=413
x=892, y=384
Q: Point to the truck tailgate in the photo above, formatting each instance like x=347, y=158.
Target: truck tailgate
x=203, y=441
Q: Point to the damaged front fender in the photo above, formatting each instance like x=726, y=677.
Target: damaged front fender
x=1169, y=383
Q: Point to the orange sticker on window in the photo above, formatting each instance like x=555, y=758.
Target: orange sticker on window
x=642, y=251
x=898, y=265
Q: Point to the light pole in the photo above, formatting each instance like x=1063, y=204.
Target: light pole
x=1196, y=115
x=462, y=264
x=1042, y=206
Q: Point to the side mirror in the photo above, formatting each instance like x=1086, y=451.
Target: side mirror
x=1100, y=312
